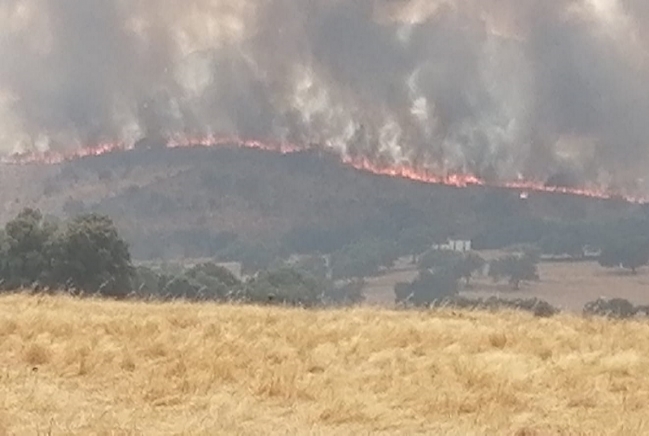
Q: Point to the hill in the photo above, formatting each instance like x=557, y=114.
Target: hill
x=173, y=203
x=98, y=367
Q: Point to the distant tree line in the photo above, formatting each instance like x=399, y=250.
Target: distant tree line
x=364, y=252
x=296, y=285
x=86, y=255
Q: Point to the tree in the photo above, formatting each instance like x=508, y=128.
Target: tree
x=530, y=251
x=350, y=292
x=93, y=258
x=629, y=254
x=362, y=259
x=315, y=266
x=461, y=265
x=427, y=288
x=215, y=271
x=569, y=242
x=216, y=282
x=438, y=260
x=284, y=286
x=468, y=265
x=514, y=268
x=414, y=241
x=146, y=282
x=27, y=250
x=253, y=257
x=181, y=287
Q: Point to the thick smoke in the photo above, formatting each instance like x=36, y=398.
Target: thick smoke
x=553, y=90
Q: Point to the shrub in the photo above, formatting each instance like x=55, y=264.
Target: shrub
x=614, y=308
x=535, y=306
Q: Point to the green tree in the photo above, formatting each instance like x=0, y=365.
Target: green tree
x=629, y=254
x=362, y=259
x=530, y=251
x=514, y=268
x=462, y=265
x=27, y=250
x=314, y=265
x=427, y=288
x=569, y=242
x=93, y=258
x=146, y=282
x=468, y=265
x=438, y=260
x=349, y=292
x=253, y=257
x=215, y=271
x=181, y=287
x=216, y=281
x=284, y=286
x=414, y=241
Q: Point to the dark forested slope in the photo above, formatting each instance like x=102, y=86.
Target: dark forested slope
x=196, y=202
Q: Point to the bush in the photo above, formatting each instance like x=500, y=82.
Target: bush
x=618, y=308
x=538, y=307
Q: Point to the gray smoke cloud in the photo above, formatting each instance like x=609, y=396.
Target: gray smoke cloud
x=498, y=88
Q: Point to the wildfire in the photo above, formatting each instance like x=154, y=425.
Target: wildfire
x=465, y=180
x=362, y=164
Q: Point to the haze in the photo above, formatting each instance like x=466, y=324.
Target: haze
x=500, y=89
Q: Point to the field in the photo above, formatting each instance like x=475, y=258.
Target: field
x=566, y=285
x=94, y=367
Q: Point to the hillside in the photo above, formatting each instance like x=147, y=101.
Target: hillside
x=193, y=202
x=96, y=367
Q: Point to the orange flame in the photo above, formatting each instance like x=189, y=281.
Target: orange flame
x=362, y=164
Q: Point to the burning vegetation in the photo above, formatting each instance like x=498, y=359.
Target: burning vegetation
x=404, y=170
x=460, y=93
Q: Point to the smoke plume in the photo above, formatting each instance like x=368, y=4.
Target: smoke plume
x=501, y=89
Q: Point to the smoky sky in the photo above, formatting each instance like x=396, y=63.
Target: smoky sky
x=501, y=89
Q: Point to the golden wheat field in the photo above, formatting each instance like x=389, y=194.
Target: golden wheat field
x=91, y=367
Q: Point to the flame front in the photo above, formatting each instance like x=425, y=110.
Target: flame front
x=403, y=171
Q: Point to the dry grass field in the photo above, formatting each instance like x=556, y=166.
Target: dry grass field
x=566, y=285
x=90, y=367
